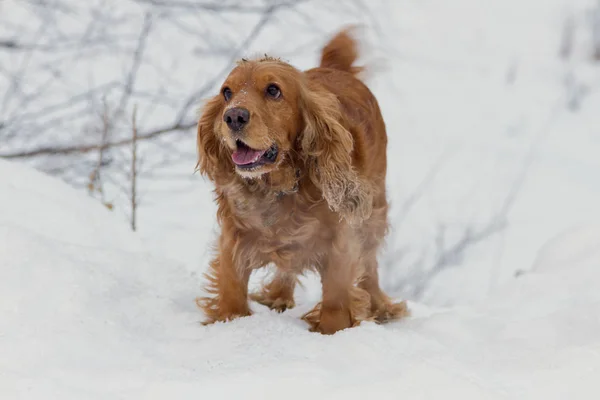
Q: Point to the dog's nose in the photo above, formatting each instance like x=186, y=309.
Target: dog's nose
x=236, y=118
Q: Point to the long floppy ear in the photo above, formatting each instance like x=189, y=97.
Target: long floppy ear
x=211, y=155
x=327, y=148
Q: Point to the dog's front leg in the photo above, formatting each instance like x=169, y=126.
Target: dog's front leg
x=343, y=305
x=227, y=286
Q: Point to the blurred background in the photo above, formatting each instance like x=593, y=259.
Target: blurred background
x=492, y=110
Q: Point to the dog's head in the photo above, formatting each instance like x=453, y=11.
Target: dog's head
x=270, y=119
x=252, y=125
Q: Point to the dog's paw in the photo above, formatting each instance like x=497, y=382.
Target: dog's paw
x=215, y=312
x=312, y=317
x=389, y=311
x=329, y=321
x=279, y=304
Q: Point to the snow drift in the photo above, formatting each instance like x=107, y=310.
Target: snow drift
x=87, y=313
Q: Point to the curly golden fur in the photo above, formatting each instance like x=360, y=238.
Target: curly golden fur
x=319, y=204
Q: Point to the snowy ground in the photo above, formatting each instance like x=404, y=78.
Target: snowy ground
x=87, y=313
x=493, y=177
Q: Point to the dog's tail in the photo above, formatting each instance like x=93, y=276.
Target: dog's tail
x=341, y=52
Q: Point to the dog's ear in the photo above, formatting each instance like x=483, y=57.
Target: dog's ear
x=327, y=149
x=212, y=159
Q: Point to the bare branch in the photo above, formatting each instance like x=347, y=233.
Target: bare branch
x=133, y=194
x=78, y=98
x=183, y=121
x=416, y=195
x=453, y=255
x=95, y=184
x=9, y=44
x=137, y=57
x=258, y=27
x=538, y=140
x=567, y=37
x=83, y=148
x=53, y=5
x=216, y=7
x=596, y=32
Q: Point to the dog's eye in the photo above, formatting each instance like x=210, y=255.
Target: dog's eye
x=273, y=91
x=227, y=93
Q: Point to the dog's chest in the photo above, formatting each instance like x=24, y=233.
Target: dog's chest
x=258, y=212
x=271, y=214
x=282, y=228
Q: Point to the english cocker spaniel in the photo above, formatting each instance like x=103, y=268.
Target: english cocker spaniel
x=298, y=160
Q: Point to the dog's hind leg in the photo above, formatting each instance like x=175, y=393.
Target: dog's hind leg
x=382, y=307
x=278, y=294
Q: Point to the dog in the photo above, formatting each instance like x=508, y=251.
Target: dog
x=298, y=161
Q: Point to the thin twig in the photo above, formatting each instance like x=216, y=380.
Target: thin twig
x=258, y=27
x=86, y=148
x=596, y=32
x=95, y=183
x=215, y=7
x=134, y=170
x=183, y=119
x=136, y=62
x=567, y=37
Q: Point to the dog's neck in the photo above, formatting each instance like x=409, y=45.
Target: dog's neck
x=281, y=182
x=277, y=183
x=285, y=179
x=295, y=187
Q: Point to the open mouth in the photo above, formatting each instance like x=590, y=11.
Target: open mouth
x=247, y=158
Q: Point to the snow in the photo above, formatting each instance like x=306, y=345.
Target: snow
x=87, y=312
x=489, y=131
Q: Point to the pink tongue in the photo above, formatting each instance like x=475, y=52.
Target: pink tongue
x=246, y=155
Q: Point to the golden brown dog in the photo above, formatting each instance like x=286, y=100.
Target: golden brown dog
x=298, y=160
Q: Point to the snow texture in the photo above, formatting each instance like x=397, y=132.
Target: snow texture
x=87, y=313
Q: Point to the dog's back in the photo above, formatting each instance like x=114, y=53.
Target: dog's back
x=338, y=74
